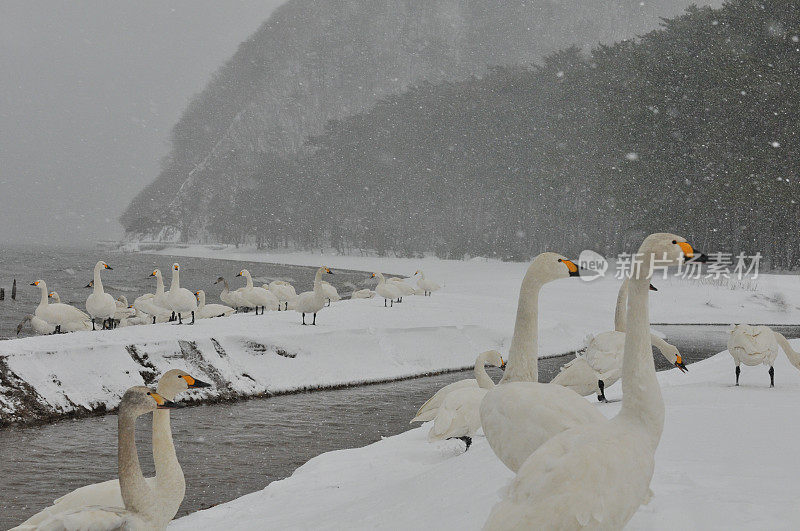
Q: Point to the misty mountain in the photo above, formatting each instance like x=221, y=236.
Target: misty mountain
x=313, y=61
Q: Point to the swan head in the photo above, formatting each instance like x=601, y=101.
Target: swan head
x=139, y=400
x=26, y=319
x=327, y=270
x=176, y=267
x=176, y=381
x=54, y=295
x=220, y=279
x=123, y=299
x=102, y=265
x=155, y=273
x=243, y=273
x=90, y=284
x=553, y=266
x=494, y=357
x=666, y=249
x=672, y=354
x=40, y=284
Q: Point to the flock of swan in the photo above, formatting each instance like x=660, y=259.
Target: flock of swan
x=178, y=303
x=575, y=468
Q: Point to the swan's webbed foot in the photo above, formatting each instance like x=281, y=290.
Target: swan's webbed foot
x=57, y=330
x=772, y=376
x=466, y=439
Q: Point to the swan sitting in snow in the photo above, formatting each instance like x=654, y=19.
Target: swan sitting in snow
x=100, y=304
x=205, y=311
x=168, y=483
x=154, y=304
x=180, y=300
x=384, y=289
x=427, y=286
x=256, y=296
x=42, y=327
x=234, y=299
x=459, y=417
x=284, y=291
x=144, y=505
x=331, y=293
x=313, y=301
x=61, y=316
x=600, y=365
x=365, y=293
x=756, y=345
x=597, y=475
x=402, y=287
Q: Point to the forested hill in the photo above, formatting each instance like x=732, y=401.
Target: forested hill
x=318, y=60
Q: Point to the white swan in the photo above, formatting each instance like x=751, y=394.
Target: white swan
x=520, y=414
x=459, y=416
x=256, y=296
x=42, y=327
x=180, y=300
x=402, y=287
x=384, y=289
x=756, y=345
x=600, y=365
x=54, y=296
x=284, y=291
x=154, y=304
x=313, y=301
x=123, y=309
x=143, y=504
x=60, y=315
x=331, y=293
x=205, y=311
x=597, y=475
x=168, y=483
x=427, y=286
x=234, y=299
x=99, y=304
x=365, y=293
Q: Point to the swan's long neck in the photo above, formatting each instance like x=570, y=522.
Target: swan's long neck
x=225, y=283
x=484, y=381
x=523, y=363
x=169, y=475
x=159, y=284
x=318, y=281
x=793, y=355
x=620, y=314
x=381, y=279
x=98, y=284
x=201, y=299
x=136, y=494
x=43, y=289
x=248, y=279
x=176, y=280
x=641, y=395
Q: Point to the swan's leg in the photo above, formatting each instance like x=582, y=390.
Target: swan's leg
x=154, y=319
x=192, y=317
x=304, y=318
x=384, y=303
x=467, y=440
x=602, y=396
x=314, y=322
x=772, y=376
x=180, y=320
x=93, y=328
x=57, y=330
x=287, y=305
x=738, y=370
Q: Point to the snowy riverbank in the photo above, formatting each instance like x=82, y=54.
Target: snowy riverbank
x=724, y=462
x=355, y=341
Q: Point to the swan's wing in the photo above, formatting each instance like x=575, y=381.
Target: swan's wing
x=428, y=410
x=605, y=350
x=93, y=518
x=579, y=376
x=459, y=415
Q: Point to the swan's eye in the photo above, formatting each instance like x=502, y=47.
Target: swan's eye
x=675, y=241
x=149, y=394
x=560, y=260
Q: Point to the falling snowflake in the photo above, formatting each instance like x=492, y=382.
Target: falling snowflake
x=632, y=156
x=775, y=144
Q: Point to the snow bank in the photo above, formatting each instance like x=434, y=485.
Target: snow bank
x=355, y=341
x=724, y=462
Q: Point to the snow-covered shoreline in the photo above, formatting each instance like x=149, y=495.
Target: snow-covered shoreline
x=48, y=377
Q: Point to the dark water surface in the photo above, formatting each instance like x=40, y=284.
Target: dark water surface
x=68, y=270
x=231, y=449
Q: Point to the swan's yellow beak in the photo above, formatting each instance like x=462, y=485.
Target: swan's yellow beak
x=107, y=266
x=35, y=283
x=573, y=269
x=502, y=363
x=679, y=364
x=153, y=274
x=193, y=383
x=372, y=275
x=239, y=274
x=688, y=252
x=161, y=402
x=327, y=270
x=175, y=267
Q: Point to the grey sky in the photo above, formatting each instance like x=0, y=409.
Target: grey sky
x=88, y=93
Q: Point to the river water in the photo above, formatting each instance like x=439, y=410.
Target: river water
x=271, y=438
x=68, y=270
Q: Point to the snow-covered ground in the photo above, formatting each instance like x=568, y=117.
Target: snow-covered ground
x=355, y=341
x=726, y=461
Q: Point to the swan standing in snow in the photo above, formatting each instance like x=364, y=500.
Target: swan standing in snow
x=365, y=293
x=143, y=504
x=459, y=416
x=402, y=287
x=519, y=414
x=600, y=365
x=168, y=483
x=258, y=297
x=100, y=304
x=234, y=299
x=61, y=316
x=180, y=300
x=756, y=345
x=597, y=475
x=331, y=293
x=284, y=291
x=205, y=311
x=313, y=301
x=427, y=286
x=384, y=289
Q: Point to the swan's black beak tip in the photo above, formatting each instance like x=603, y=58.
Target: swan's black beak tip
x=169, y=404
x=198, y=384
x=681, y=366
x=653, y=288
